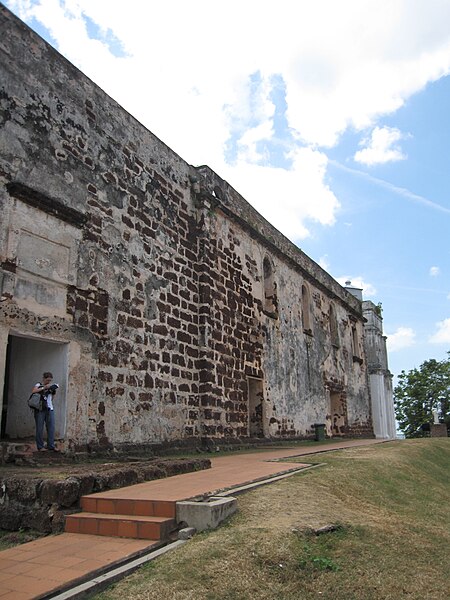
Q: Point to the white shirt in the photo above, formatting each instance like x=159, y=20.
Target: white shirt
x=48, y=397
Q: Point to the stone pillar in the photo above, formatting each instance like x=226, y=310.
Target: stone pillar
x=380, y=377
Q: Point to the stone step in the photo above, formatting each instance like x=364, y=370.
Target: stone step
x=19, y=448
x=136, y=527
x=26, y=448
x=23, y=452
x=125, y=506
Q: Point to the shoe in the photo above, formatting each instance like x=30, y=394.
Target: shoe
x=54, y=450
x=42, y=449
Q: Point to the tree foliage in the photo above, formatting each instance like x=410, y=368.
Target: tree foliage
x=420, y=392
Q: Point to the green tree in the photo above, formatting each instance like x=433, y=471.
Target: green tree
x=420, y=392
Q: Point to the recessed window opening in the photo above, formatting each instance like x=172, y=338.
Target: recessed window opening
x=306, y=309
x=355, y=345
x=270, y=288
x=334, y=330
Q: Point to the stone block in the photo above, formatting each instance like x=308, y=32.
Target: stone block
x=65, y=493
x=186, y=533
x=21, y=490
x=205, y=514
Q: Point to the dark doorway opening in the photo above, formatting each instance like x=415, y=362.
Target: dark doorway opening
x=338, y=423
x=5, y=391
x=255, y=407
x=26, y=359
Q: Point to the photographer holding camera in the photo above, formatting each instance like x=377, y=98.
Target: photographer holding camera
x=47, y=414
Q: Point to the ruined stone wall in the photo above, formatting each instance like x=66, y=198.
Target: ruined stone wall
x=152, y=272
x=125, y=283
x=298, y=369
x=230, y=330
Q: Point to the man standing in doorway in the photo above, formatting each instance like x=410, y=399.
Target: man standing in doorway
x=47, y=414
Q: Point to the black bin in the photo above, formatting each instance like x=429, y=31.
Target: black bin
x=319, y=429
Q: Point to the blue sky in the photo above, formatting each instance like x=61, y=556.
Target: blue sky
x=331, y=118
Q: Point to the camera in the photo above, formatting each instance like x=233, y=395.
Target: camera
x=52, y=389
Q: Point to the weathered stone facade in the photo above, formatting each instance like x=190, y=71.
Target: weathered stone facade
x=168, y=307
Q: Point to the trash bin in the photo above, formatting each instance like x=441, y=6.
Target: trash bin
x=319, y=429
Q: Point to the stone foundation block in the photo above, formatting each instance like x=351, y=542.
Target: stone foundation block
x=205, y=514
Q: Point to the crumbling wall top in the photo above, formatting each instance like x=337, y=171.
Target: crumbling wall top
x=223, y=195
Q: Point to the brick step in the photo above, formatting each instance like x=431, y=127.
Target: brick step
x=129, y=526
x=126, y=506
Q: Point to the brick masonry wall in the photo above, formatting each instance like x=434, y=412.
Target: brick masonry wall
x=298, y=370
x=230, y=332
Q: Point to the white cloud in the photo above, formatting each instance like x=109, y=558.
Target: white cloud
x=186, y=74
x=404, y=337
x=442, y=335
x=381, y=147
x=358, y=282
x=324, y=263
x=279, y=194
x=247, y=143
x=434, y=271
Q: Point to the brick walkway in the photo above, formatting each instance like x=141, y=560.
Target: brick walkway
x=37, y=568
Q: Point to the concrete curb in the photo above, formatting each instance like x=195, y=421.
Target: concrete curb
x=254, y=484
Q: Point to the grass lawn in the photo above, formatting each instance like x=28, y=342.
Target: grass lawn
x=389, y=503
